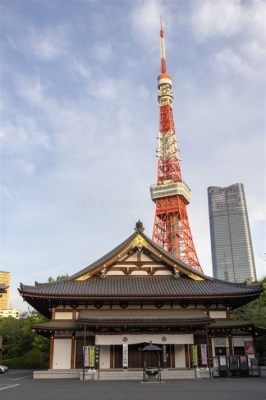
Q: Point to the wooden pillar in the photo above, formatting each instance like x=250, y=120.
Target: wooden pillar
x=188, y=355
x=208, y=350
x=231, y=347
x=74, y=313
x=73, y=352
x=111, y=356
x=172, y=351
x=51, y=354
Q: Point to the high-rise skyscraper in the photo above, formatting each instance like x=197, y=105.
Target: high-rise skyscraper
x=232, y=253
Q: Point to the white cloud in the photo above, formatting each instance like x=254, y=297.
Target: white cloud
x=26, y=166
x=103, y=51
x=213, y=17
x=21, y=135
x=44, y=47
x=45, y=44
x=30, y=89
x=242, y=30
x=255, y=51
x=227, y=61
x=82, y=69
x=105, y=89
x=227, y=18
x=145, y=19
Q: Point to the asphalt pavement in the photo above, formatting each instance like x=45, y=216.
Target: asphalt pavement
x=19, y=385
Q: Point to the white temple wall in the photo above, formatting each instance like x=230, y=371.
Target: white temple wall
x=104, y=357
x=218, y=314
x=62, y=354
x=118, y=339
x=180, y=356
x=63, y=315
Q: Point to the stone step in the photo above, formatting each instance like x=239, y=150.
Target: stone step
x=120, y=375
x=178, y=374
x=138, y=374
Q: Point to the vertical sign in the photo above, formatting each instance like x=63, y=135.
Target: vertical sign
x=125, y=355
x=164, y=356
x=97, y=357
x=203, y=350
x=91, y=356
x=195, y=355
x=86, y=356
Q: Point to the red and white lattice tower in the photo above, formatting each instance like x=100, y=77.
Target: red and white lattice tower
x=171, y=195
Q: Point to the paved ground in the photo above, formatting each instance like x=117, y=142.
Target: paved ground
x=19, y=385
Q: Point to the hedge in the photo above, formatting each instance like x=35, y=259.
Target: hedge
x=33, y=359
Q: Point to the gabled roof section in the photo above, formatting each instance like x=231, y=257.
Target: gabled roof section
x=138, y=242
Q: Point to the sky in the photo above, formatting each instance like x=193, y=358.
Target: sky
x=79, y=121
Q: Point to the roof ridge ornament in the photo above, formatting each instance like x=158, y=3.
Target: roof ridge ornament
x=139, y=228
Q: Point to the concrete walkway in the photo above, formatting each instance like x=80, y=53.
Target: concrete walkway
x=214, y=389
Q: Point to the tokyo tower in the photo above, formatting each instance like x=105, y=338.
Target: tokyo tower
x=171, y=195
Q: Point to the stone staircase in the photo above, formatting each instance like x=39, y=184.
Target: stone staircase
x=178, y=373
x=120, y=374
x=137, y=374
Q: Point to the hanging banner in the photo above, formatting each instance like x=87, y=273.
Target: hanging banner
x=203, y=350
x=91, y=356
x=195, y=355
x=125, y=355
x=85, y=356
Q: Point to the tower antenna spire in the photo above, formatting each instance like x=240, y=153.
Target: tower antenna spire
x=162, y=48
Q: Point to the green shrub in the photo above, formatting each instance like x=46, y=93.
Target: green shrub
x=32, y=359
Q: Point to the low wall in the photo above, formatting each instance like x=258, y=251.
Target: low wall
x=57, y=374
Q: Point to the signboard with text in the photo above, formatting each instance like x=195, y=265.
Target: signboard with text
x=195, y=355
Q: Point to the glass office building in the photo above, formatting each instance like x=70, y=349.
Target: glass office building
x=232, y=253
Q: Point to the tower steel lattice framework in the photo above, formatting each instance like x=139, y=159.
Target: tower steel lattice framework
x=171, y=195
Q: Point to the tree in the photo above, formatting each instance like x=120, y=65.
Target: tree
x=255, y=312
x=19, y=339
x=58, y=278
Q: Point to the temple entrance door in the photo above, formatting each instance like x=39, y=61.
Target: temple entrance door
x=135, y=356
x=117, y=356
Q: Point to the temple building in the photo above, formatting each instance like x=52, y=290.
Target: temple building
x=138, y=294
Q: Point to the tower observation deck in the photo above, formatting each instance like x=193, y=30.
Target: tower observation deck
x=171, y=195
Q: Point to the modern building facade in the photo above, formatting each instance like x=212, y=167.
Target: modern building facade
x=5, y=280
x=232, y=253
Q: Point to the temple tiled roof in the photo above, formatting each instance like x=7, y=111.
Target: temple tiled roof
x=130, y=287
x=92, y=322
x=182, y=284
x=123, y=245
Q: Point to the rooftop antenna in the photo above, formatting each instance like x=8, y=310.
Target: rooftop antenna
x=162, y=48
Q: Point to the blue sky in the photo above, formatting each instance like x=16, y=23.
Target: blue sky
x=79, y=120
